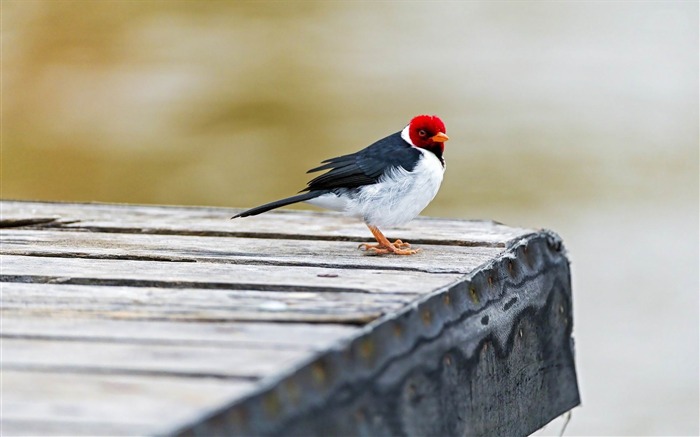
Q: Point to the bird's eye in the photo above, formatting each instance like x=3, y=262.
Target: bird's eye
x=422, y=133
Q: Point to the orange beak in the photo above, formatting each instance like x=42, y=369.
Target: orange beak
x=440, y=138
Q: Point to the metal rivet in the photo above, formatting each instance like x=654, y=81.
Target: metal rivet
x=367, y=349
x=474, y=295
x=520, y=332
x=293, y=391
x=427, y=317
x=272, y=404
x=446, y=299
x=561, y=309
x=318, y=371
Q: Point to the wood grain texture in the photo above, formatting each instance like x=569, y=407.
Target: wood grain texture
x=218, y=275
x=124, y=320
x=197, y=304
x=279, y=225
x=269, y=252
x=36, y=403
x=224, y=334
x=152, y=359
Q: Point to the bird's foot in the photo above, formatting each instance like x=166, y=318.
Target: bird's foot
x=398, y=248
x=375, y=249
x=401, y=245
x=385, y=246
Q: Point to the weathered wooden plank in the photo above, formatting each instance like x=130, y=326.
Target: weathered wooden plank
x=278, y=224
x=352, y=317
x=252, y=335
x=72, y=427
x=218, y=275
x=147, y=359
x=478, y=345
x=434, y=259
x=88, y=404
x=197, y=304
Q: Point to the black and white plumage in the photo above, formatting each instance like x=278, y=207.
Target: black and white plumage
x=385, y=184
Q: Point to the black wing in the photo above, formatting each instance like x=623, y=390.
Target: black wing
x=366, y=166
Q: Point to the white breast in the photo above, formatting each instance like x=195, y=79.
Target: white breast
x=397, y=198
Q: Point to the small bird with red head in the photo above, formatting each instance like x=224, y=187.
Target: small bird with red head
x=385, y=184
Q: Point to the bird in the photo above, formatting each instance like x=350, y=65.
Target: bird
x=386, y=184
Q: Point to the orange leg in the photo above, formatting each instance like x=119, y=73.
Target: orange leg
x=398, y=247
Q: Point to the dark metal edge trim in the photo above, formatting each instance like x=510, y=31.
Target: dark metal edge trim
x=368, y=359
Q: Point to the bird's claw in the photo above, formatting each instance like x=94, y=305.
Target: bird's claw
x=401, y=245
x=374, y=249
x=397, y=248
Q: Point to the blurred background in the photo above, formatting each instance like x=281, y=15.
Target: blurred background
x=581, y=117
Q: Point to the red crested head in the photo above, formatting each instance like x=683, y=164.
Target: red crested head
x=428, y=132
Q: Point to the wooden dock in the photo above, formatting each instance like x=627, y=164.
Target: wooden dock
x=145, y=320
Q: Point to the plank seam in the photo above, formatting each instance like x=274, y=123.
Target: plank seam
x=257, y=262
x=247, y=345
x=95, y=370
x=339, y=320
x=259, y=235
x=140, y=283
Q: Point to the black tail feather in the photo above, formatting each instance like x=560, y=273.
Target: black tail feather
x=278, y=203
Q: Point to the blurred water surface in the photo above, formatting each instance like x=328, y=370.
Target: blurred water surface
x=577, y=116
